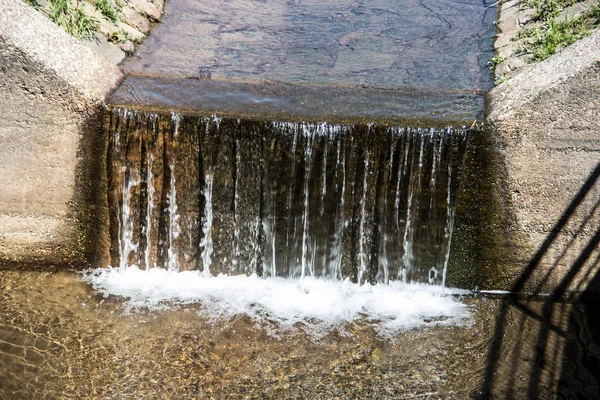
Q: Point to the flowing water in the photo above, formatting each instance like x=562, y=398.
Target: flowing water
x=372, y=203
x=238, y=245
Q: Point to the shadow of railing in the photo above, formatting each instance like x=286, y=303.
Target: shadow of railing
x=532, y=330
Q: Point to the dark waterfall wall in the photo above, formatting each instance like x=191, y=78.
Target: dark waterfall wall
x=369, y=202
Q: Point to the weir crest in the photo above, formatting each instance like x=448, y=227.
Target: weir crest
x=368, y=202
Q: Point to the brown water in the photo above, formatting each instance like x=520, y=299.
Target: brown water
x=61, y=340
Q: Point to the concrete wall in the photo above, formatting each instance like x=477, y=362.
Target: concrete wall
x=51, y=93
x=538, y=220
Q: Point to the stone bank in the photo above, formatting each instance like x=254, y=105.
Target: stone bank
x=52, y=89
x=541, y=233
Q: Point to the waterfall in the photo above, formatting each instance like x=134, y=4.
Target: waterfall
x=305, y=238
x=367, y=202
x=172, y=262
x=207, y=244
x=449, y=226
x=362, y=254
x=236, y=227
x=149, y=209
x=339, y=233
x=127, y=246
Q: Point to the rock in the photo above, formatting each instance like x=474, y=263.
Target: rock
x=576, y=10
x=516, y=21
x=501, y=69
x=105, y=27
x=507, y=12
x=147, y=8
x=128, y=47
x=134, y=19
x=519, y=61
x=503, y=39
x=107, y=50
x=133, y=33
x=160, y=4
x=511, y=4
x=508, y=50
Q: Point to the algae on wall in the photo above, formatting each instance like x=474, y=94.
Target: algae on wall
x=484, y=243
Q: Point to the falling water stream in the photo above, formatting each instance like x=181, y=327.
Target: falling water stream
x=371, y=203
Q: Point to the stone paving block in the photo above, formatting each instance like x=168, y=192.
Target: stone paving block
x=160, y=4
x=128, y=47
x=134, y=19
x=516, y=21
x=501, y=69
x=147, y=8
x=511, y=4
x=508, y=50
x=105, y=27
x=519, y=61
x=134, y=34
x=576, y=10
x=106, y=49
x=503, y=39
x=507, y=12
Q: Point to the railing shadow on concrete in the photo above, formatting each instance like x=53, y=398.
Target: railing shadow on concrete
x=531, y=332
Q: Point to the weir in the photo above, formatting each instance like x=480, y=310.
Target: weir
x=279, y=188
x=297, y=139
x=368, y=202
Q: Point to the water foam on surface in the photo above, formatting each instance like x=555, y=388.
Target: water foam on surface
x=317, y=305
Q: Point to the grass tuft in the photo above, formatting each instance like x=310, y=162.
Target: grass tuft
x=71, y=18
x=556, y=36
x=546, y=39
x=548, y=9
x=122, y=37
x=495, y=61
x=33, y=3
x=108, y=9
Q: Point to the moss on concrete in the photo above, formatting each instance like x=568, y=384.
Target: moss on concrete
x=483, y=243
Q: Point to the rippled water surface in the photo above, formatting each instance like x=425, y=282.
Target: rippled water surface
x=329, y=59
x=441, y=44
x=60, y=339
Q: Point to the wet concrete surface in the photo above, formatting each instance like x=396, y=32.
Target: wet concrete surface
x=374, y=60
x=442, y=44
x=431, y=108
x=60, y=339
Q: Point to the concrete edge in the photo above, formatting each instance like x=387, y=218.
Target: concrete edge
x=81, y=67
x=508, y=98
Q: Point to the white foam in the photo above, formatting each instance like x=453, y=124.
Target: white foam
x=319, y=306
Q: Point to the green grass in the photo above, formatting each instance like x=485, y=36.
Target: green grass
x=556, y=36
x=500, y=80
x=548, y=35
x=108, y=9
x=548, y=9
x=33, y=3
x=71, y=18
x=552, y=35
x=496, y=60
x=595, y=14
x=122, y=37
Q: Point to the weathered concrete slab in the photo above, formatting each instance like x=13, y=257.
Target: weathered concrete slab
x=440, y=44
x=413, y=107
x=429, y=45
x=545, y=125
x=51, y=86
